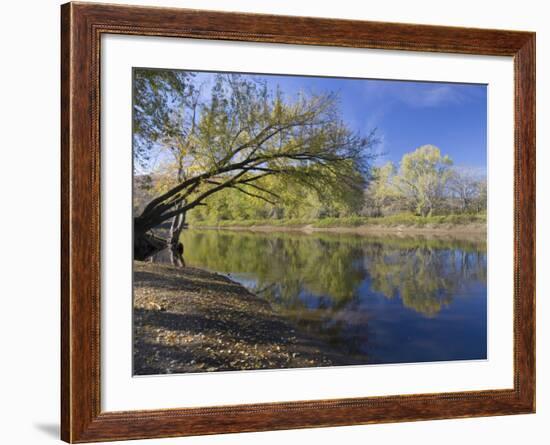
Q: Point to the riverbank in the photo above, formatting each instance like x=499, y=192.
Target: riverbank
x=472, y=227
x=468, y=231
x=398, y=224
x=191, y=320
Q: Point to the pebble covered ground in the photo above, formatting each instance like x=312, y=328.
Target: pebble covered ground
x=191, y=320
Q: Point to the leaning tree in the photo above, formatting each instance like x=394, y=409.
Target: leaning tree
x=236, y=135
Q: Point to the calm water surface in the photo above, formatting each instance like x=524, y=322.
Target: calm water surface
x=383, y=299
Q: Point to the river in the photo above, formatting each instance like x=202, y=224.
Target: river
x=378, y=299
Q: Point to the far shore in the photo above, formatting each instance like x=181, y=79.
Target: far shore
x=461, y=230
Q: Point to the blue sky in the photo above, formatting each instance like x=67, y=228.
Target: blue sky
x=406, y=114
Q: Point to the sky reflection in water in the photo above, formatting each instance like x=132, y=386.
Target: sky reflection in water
x=383, y=299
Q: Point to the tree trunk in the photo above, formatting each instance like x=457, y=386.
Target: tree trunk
x=423, y=209
x=146, y=244
x=176, y=246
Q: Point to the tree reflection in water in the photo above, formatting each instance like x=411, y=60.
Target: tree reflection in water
x=324, y=282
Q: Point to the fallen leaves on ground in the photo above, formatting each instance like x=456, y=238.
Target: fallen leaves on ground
x=191, y=320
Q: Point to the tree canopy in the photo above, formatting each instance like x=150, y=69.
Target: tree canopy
x=423, y=177
x=239, y=135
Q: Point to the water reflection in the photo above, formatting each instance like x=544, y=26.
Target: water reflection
x=380, y=299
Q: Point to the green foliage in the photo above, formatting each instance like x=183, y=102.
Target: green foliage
x=242, y=138
x=423, y=177
x=381, y=192
x=402, y=219
x=294, y=201
x=157, y=93
x=441, y=196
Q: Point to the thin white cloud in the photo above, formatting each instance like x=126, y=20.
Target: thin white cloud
x=435, y=96
x=413, y=94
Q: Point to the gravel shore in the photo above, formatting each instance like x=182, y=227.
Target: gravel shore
x=191, y=320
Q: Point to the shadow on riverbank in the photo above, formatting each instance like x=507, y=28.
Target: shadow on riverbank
x=190, y=320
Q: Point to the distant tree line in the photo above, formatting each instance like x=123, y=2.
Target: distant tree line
x=425, y=183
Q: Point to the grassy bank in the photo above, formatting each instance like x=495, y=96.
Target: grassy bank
x=467, y=222
x=192, y=320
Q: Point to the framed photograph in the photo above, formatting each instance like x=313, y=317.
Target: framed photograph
x=274, y=222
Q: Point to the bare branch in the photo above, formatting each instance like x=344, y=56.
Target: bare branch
x=253, y=195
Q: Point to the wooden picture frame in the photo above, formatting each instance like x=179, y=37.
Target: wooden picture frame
x=82, y=25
